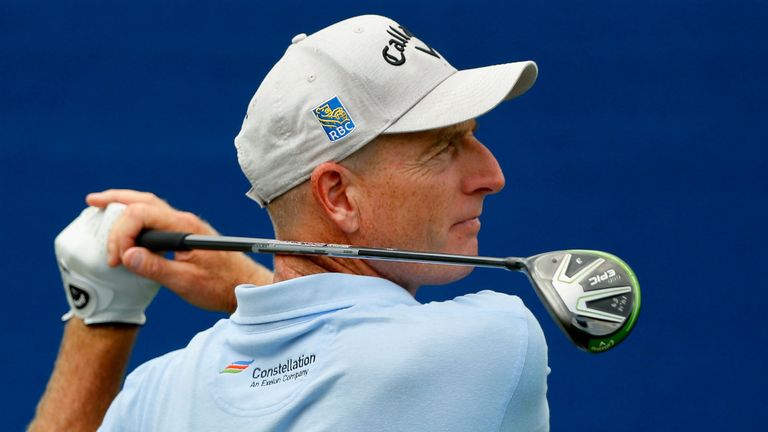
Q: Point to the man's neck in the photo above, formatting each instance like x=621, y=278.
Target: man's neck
x=294, y=266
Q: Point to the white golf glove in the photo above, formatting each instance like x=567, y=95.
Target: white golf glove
x=96, y=292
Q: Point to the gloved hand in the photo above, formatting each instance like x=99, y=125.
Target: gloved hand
x=205, y=279
x=96, y=292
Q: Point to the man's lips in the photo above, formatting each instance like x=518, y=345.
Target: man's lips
x=472, y=223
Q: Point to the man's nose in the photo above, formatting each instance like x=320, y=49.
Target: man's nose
x=483, y=173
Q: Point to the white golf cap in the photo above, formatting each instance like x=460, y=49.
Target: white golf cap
x=336, y=90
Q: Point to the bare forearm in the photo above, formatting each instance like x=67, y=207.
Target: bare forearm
x=87, y=376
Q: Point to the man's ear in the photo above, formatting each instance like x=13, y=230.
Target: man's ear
x=332, y=188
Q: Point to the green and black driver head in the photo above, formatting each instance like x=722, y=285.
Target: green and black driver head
x=594, y=296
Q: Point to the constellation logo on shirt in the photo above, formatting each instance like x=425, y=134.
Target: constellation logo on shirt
x=236, y=367
x=290, y=370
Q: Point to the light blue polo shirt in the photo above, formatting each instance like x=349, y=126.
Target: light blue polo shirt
x=337, y=352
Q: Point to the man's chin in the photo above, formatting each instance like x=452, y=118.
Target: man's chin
x=412, y=276
x=466, y=247
x=442, y=274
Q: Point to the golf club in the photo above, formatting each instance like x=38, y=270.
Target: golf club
x=593, y=296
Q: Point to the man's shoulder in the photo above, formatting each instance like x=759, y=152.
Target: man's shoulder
x=476, y=309
x=177, y=361
x=466, y=327
x=473, y=349
x=483, y=302
x=150, y=382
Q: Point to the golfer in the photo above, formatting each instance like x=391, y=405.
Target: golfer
x=360, y=134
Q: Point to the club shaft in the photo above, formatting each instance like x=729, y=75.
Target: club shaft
x=160, y=240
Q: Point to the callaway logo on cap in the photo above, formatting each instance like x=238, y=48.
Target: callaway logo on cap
x=400, y=38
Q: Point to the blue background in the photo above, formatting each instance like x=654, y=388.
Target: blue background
x=643, y=136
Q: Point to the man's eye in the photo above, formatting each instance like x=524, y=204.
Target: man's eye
x=449, y=146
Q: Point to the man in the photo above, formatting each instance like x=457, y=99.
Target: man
x=360, y=134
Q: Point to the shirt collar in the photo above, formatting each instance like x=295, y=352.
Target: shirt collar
x=314, y=294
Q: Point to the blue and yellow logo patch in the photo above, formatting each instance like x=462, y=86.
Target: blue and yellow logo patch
x=335, y=119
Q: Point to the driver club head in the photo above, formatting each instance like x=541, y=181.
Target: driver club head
x=593, y=296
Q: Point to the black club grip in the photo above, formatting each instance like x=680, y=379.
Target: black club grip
x=162, y=240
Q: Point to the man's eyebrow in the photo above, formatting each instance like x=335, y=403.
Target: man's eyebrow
x=446, y=133
x=457, y=129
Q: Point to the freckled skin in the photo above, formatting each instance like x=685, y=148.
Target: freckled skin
x=423, y=194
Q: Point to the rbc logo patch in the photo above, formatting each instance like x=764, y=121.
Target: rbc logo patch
x=335, y=119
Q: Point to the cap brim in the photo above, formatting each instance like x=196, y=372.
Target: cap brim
x=467, y=94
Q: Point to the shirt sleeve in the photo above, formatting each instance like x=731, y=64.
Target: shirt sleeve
x=513, y=345
x=528, y=409
x=129, y=410
x=122, y=414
